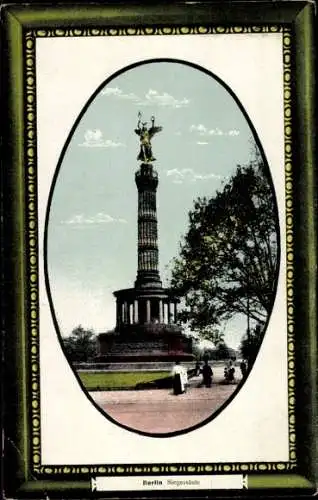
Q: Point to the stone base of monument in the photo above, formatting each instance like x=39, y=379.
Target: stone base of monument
x=134, y=366
x=145, y=343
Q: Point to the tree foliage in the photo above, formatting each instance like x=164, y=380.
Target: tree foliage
x=197, y=349
x=228, y=259
x=250, y=344
x=220, y=352
x=80, y=346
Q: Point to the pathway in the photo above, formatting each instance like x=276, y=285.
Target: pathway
x=159, y=411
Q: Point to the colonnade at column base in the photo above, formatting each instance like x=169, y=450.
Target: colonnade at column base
x=147, y=307
x=147, y=328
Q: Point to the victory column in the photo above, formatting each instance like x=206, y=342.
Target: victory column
x=147, y=326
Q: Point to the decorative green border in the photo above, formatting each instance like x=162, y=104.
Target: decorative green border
x=291, y=347
x=30, y=44
x=162, y=30
x=31, y=203
x=23, y=26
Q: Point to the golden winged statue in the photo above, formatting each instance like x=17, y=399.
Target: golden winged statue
x=145, y=154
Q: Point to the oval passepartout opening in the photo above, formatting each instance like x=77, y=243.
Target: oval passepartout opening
x=162, y=247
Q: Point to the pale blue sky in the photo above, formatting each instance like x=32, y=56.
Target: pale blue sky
x=92, y=231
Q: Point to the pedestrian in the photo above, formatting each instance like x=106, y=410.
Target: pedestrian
x=243, y=368
x=207, y=374
x=229, y=371
x=179, y=379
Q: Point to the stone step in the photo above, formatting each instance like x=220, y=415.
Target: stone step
x=151, y=366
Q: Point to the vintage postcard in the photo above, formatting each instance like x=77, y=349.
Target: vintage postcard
x=159, y=250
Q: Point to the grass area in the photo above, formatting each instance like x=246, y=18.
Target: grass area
x=119, y=380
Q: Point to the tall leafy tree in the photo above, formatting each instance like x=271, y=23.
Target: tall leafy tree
x=228, y=259
x=250, y=344
x=221, y=351
x=80, y=346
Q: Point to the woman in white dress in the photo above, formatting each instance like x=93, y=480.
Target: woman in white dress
x=179, y=379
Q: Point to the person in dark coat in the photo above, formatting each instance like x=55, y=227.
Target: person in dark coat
x=229, y=371
x=243, y=368
x=207, y=374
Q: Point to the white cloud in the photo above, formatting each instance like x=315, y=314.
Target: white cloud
x=202, y=143
x=94, y=139
x=93, y=135
x=189, y=175
x=112, y=91
x=203, y=131
x=116, y=92
x=100, y=218
x=151, y=98
x=216, y=131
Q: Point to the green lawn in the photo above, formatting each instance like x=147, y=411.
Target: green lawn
x=109, y=380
